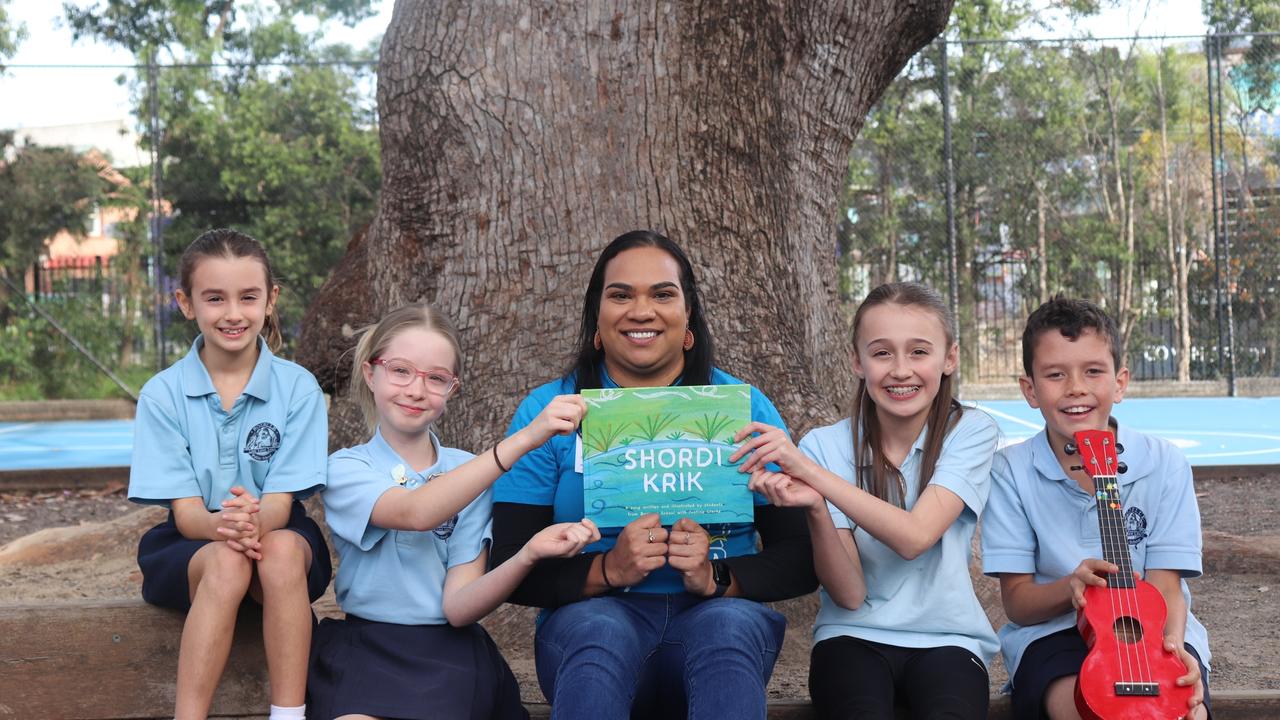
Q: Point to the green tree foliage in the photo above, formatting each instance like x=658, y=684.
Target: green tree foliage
x=1257, y=78
x=11, y=34
x=1061, y=155
x=42, y=190
x=263, y=127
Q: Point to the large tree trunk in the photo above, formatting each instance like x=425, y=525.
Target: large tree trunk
x=519, y=137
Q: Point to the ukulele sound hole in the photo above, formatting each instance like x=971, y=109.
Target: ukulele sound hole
x=1127, y=629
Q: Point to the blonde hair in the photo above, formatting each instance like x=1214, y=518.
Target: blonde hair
x=375, y=338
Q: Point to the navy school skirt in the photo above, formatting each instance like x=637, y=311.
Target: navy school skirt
x=409, y=672
x=164, y=554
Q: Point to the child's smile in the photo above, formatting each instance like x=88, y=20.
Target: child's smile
x=902, y=353
x=229, y=301
x=409, y=409
x=1074, y=383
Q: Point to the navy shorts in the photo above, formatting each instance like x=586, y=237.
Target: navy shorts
x=1059, y=655
x=411, y=672
x=164, y=554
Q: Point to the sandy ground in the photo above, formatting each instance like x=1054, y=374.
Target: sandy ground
x=80, y=545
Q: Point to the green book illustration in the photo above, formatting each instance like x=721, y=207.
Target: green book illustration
x=664, y=450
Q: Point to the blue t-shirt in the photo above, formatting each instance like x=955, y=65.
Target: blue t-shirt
x=273, y=440
x=929, y=601
x=1041, y=522
x=547, y=476
x=396, y=576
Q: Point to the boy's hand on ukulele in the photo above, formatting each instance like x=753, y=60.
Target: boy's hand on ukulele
x=782, y=490
x=561, y=540
x=640, y=549
x=561, y=416
x=687, y=549
x=1090, y=571
x=1195, y=705
x=770, y=445
x=238, y=523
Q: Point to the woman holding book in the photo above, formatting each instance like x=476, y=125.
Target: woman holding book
x=651, y=620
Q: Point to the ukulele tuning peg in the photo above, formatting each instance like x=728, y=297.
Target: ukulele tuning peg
x=1122, y=468
x=1119, y=448
x=1069, y=448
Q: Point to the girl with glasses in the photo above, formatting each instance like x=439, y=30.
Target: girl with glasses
x=410, y=521
x=230, y=438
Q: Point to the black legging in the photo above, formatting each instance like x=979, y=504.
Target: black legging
x=852, y=678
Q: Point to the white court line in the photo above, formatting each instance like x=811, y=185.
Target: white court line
x=48, y=449
x=1267, y=451
x=1007, y=416
x=1213, y=433
x=16, y=428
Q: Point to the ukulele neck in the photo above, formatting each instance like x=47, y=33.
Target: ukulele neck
x=1115, y=545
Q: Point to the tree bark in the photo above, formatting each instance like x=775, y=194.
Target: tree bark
x=520, y=137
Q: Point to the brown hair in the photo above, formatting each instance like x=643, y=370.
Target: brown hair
x=875, y=473
x=228, y=243
x=1072, y=318
x=375, y=338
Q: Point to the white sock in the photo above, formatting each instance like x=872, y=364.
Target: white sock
x=288, y=713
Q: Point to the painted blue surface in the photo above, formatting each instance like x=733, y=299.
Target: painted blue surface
x=1211, y=431
x=72, y=444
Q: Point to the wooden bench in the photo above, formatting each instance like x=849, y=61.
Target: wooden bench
x=112, y=660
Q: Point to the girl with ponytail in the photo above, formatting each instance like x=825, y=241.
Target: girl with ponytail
x=230, y=438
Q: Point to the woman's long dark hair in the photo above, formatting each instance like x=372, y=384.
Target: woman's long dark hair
x=875, y=473
x=697, y=360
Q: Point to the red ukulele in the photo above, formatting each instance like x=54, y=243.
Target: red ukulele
x=1127, y=675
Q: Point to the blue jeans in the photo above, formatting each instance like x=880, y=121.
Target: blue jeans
x=642, y=655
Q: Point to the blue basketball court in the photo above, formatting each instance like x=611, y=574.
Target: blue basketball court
x=1211, y=431
x=71, y=444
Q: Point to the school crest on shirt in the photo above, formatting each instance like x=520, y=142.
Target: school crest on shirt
x=1135, y=525
x=445, y=529
x=263, y=441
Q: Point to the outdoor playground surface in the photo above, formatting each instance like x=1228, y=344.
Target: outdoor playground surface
x=1211, y=431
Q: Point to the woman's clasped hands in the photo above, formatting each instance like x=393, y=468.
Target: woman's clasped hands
x=644, y=546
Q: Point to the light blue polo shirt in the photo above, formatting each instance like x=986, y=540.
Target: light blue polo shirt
x=273, y=440
x=1041, y=522
x=546, y=476
x=396, y=576
x=927, y=602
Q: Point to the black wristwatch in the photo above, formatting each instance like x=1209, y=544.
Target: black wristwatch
x=722, y=577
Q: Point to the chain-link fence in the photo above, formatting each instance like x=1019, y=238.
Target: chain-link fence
x=1140, y=173
x=287, y=152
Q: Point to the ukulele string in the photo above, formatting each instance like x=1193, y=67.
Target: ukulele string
x=1103, y=486
x=1129, y=588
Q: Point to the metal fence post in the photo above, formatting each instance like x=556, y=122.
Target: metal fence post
x=157, y=211
x=1226, y=297
x=945, y=91
x=1217, y=212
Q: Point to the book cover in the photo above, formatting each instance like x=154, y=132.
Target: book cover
x=665, y=450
